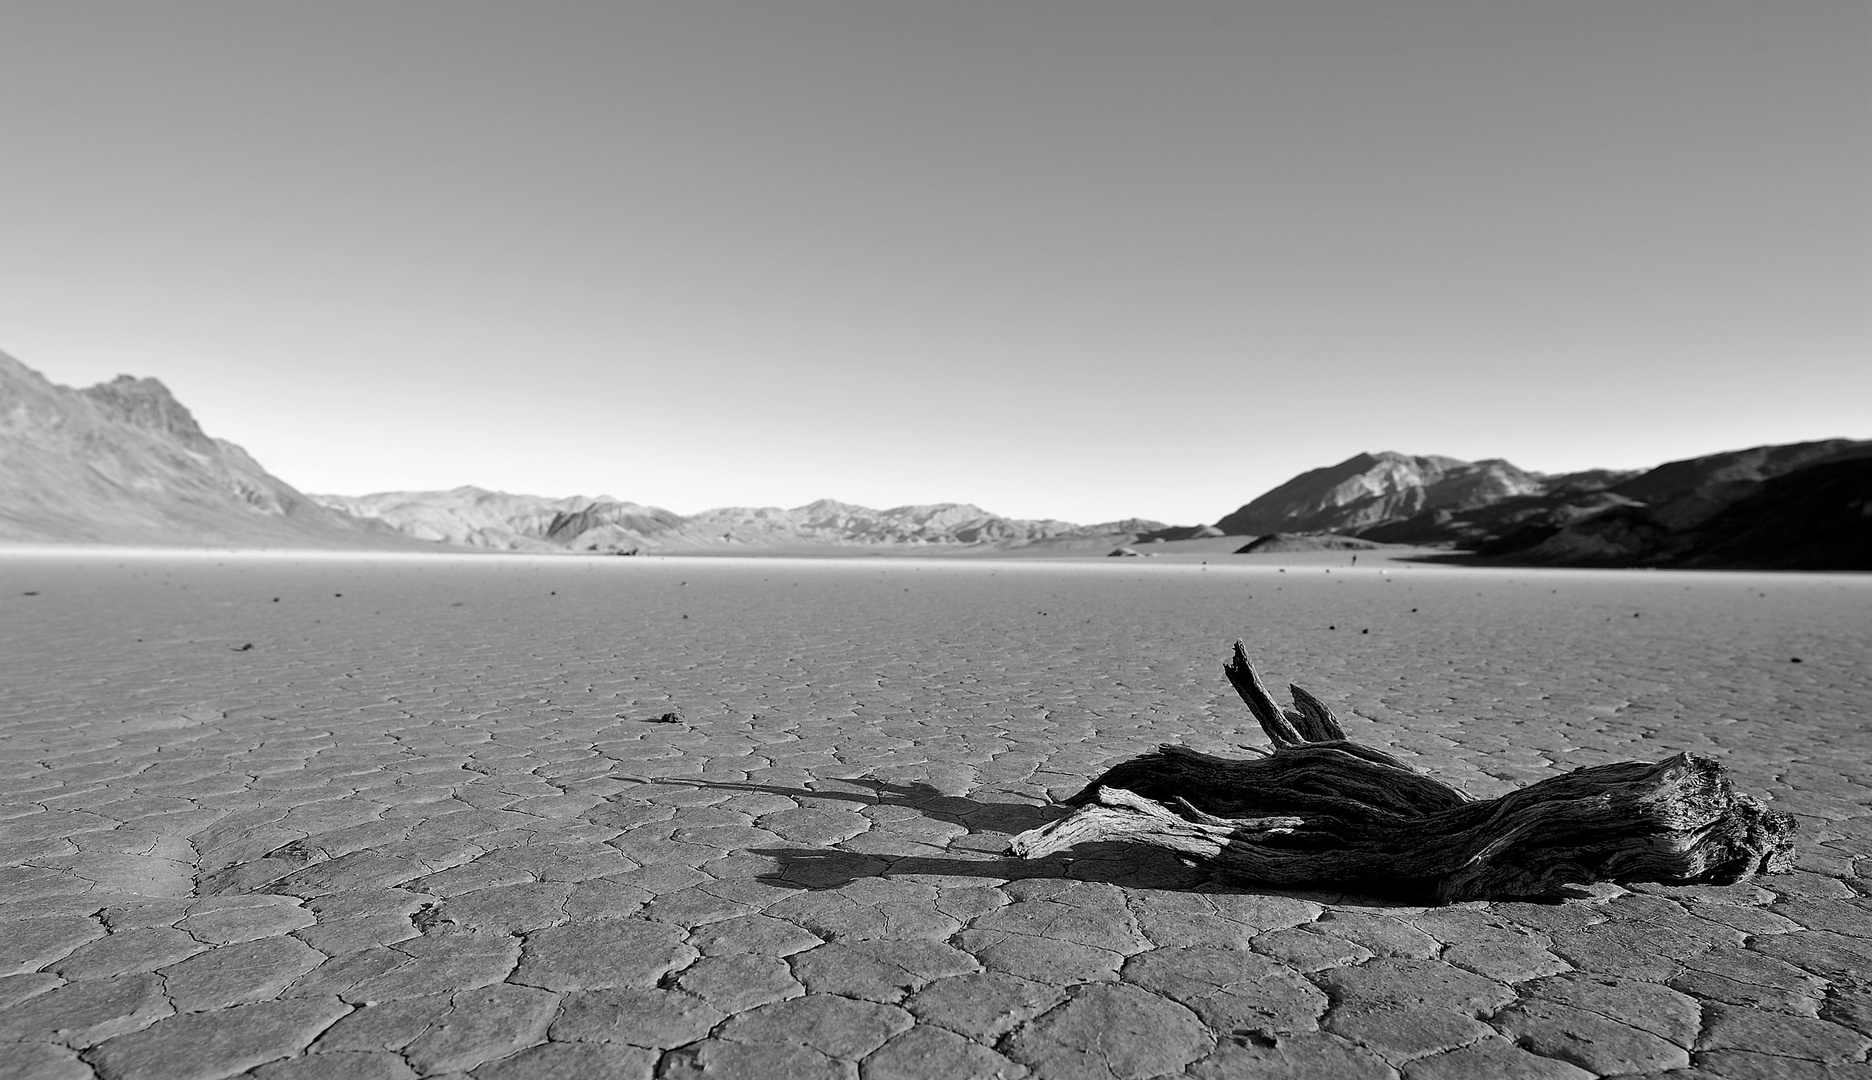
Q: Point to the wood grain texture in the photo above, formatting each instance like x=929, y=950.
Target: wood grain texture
x=1323, y=809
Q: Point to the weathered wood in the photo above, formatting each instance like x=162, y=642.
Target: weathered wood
x=1323, y=809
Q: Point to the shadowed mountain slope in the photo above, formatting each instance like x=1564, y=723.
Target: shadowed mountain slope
x=1281, y=543
x=1796, y=506
x=1804, y=506
x=1564, y=499
x=1818, y=517
x=123, y=462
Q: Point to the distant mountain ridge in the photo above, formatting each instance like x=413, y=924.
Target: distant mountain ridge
x=1801, y=506
x=124, y=462
x=474, y=517
x=1369, y=490
x=1796, y=506
x=479, y=518
x=831, y=521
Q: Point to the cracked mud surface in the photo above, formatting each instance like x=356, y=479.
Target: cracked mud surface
x=434, y=822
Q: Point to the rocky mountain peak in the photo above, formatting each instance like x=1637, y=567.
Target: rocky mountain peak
x=1372, y=489
x=148, y=404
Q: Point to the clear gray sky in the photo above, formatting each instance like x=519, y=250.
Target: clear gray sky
x=1081, y=260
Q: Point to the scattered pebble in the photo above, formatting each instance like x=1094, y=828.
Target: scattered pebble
x=244, y=648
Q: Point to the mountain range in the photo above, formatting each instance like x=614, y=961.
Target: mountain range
x=124, y=462
x=1797, y=506
x=1803, y=506
x=1369, y=490
x=474, y=517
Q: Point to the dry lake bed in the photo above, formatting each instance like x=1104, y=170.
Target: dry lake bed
x=511, y=817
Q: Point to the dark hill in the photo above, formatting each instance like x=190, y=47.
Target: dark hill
x=1814, y=518
x=1282, y=543
x=1796, y=507
x=1566, y=499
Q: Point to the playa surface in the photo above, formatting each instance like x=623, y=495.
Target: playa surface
x=377, y=817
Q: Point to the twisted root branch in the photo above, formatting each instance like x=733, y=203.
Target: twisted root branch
x=1322, y=809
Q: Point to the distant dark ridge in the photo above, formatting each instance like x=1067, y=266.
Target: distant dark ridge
x=1275, y=543
x=1814, y=518
x=1180, y=532
x=1801, y=507
x=1567, y=498
x=1757, y=507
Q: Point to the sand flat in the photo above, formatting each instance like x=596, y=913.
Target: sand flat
x=417, y=811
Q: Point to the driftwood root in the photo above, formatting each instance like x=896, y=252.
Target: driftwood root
x=1322, y=809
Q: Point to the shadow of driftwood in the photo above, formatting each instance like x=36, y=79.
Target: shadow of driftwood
x=1114, y=864
x=975, y=816
x=1133, y=866
x=979, y=854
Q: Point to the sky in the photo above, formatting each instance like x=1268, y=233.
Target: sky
x=1076, y=260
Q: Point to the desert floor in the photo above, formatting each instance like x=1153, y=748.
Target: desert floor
x=388, y=817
